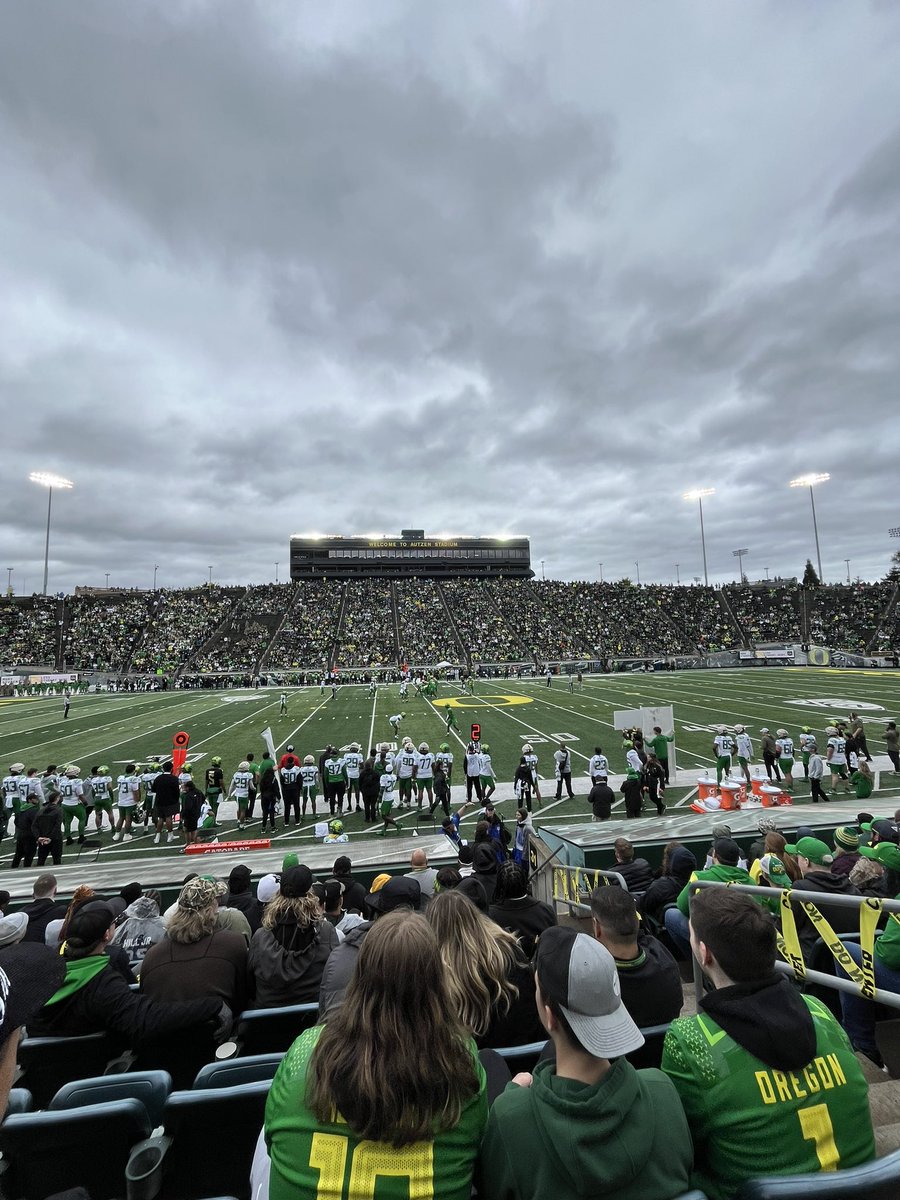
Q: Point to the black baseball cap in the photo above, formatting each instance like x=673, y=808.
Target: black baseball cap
x=727, y=851
x=398, y=892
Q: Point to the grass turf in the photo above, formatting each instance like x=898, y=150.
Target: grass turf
x=118, y=729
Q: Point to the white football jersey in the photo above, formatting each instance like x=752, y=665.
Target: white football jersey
x=240, y=784
x=71, y=791
x=785, y=747
x=309, y=773
x=724, y=744
x=744, y=745
x=425, y=763
x=599, y=765
x=405, y=761
x=353, y=760
x=838, y=747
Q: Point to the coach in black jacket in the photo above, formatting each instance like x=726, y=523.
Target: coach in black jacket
x=47, y=829
x=95, y=997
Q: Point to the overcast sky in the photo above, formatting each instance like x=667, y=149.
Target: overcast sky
x=471, y=267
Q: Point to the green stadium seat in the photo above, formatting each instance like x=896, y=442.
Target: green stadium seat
x=48, y=1152
x=167, y=1167
x=250, y=1069
x=150, y=1088
x=273, y=1030
x=878, y=1180
x=49, y=1062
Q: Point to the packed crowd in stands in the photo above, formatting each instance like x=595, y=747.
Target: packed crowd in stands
x=426, y=635
x=28, y=632
x=367, y=629
x=480, y=627
x=598, y=1101
x=101, y=631
x=534, y=625
x=770, y=614
x=319, y=624
x=846, y=615
x=178, y=624
x=307, y=636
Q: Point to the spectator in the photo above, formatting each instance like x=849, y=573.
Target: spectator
x=288, y=954
x=726, y=855
x=330, y=1088
x=490, y=982
x=142, y=928
x=394, y=894
x=588, y=1124
x=335, y=914
x=485, y=866
x=846, y=850
x=636, y=872
x=677, y=870
x=424, y=875
x=55, y=931
x=196, y=958
x=766, y=1075
x=514, y=910
x=240, y=896
x=649, y=977
x=354, y=892
x=43, y=909
x=774, y=843
x=95, y=997
x=859, y=1014
x=814, y=858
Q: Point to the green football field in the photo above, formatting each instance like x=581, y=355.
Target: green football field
x=118, y=729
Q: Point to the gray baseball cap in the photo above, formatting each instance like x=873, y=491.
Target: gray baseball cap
x=579, y=974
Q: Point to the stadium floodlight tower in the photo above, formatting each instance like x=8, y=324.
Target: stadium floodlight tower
x=49, y=481
x=810, y=481
x=698, y=494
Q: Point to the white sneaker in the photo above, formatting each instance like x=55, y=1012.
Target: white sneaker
x=171, y=838
x=156, y=840
x=129, y=837
x=117, y=837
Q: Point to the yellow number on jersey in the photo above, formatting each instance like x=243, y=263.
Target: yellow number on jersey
x=328, y=1155
x=816, y=1125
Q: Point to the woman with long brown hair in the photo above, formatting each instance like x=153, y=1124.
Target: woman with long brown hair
x=389, y=1090
x=774, y=843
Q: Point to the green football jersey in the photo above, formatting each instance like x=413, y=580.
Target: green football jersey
x=328, y=1162
x=748, y=1119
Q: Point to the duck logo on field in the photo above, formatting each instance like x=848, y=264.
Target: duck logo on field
x=481, y=701
x=832, y=702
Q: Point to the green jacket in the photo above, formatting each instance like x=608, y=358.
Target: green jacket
x=625, y=1137
x=660, y=745
x=887, y=947
x=719, y=872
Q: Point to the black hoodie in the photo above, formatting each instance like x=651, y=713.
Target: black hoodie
x=768, y=1019
x=841, y=919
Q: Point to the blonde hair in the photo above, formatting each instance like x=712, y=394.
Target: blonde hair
x=305, y=909
x=480, y=958
x=189, y=925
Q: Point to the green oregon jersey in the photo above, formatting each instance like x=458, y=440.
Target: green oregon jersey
x=748, y=1119
x=327, y=1162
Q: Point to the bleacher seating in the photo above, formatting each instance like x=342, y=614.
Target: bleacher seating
x=879, y=1180
x=151, y=1088
x=20, y=1101
x=273, y=1030
x=47, y=1063
x=89, y=1147
x=250, y=1069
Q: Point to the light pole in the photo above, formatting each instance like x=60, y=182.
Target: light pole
x=739, y=555
x=276, y=572
x=542, y=570
x=766, y=569
x=210, y=575
x=600, y=565
x=155, y=569
x=847, y=561
x=810, y=481
x=637, y=573
x=677, y=576
x=49, y=481
x=9, y=571
x=106, y=573
x=698, y=494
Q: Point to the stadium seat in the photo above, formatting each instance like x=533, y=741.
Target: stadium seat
x=48, y=1152
x=20, y=1100
x=521, y=1058
x=151, y=1088
x=232, y=1115
x=273, y=1030
x=650, y=1054
x=878, y=1180
x=238, y=1070
x=49, y=1062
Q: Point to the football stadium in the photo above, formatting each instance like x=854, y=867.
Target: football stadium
x=450, y=642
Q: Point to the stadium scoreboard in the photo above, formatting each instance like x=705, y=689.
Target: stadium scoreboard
x=411, y=554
